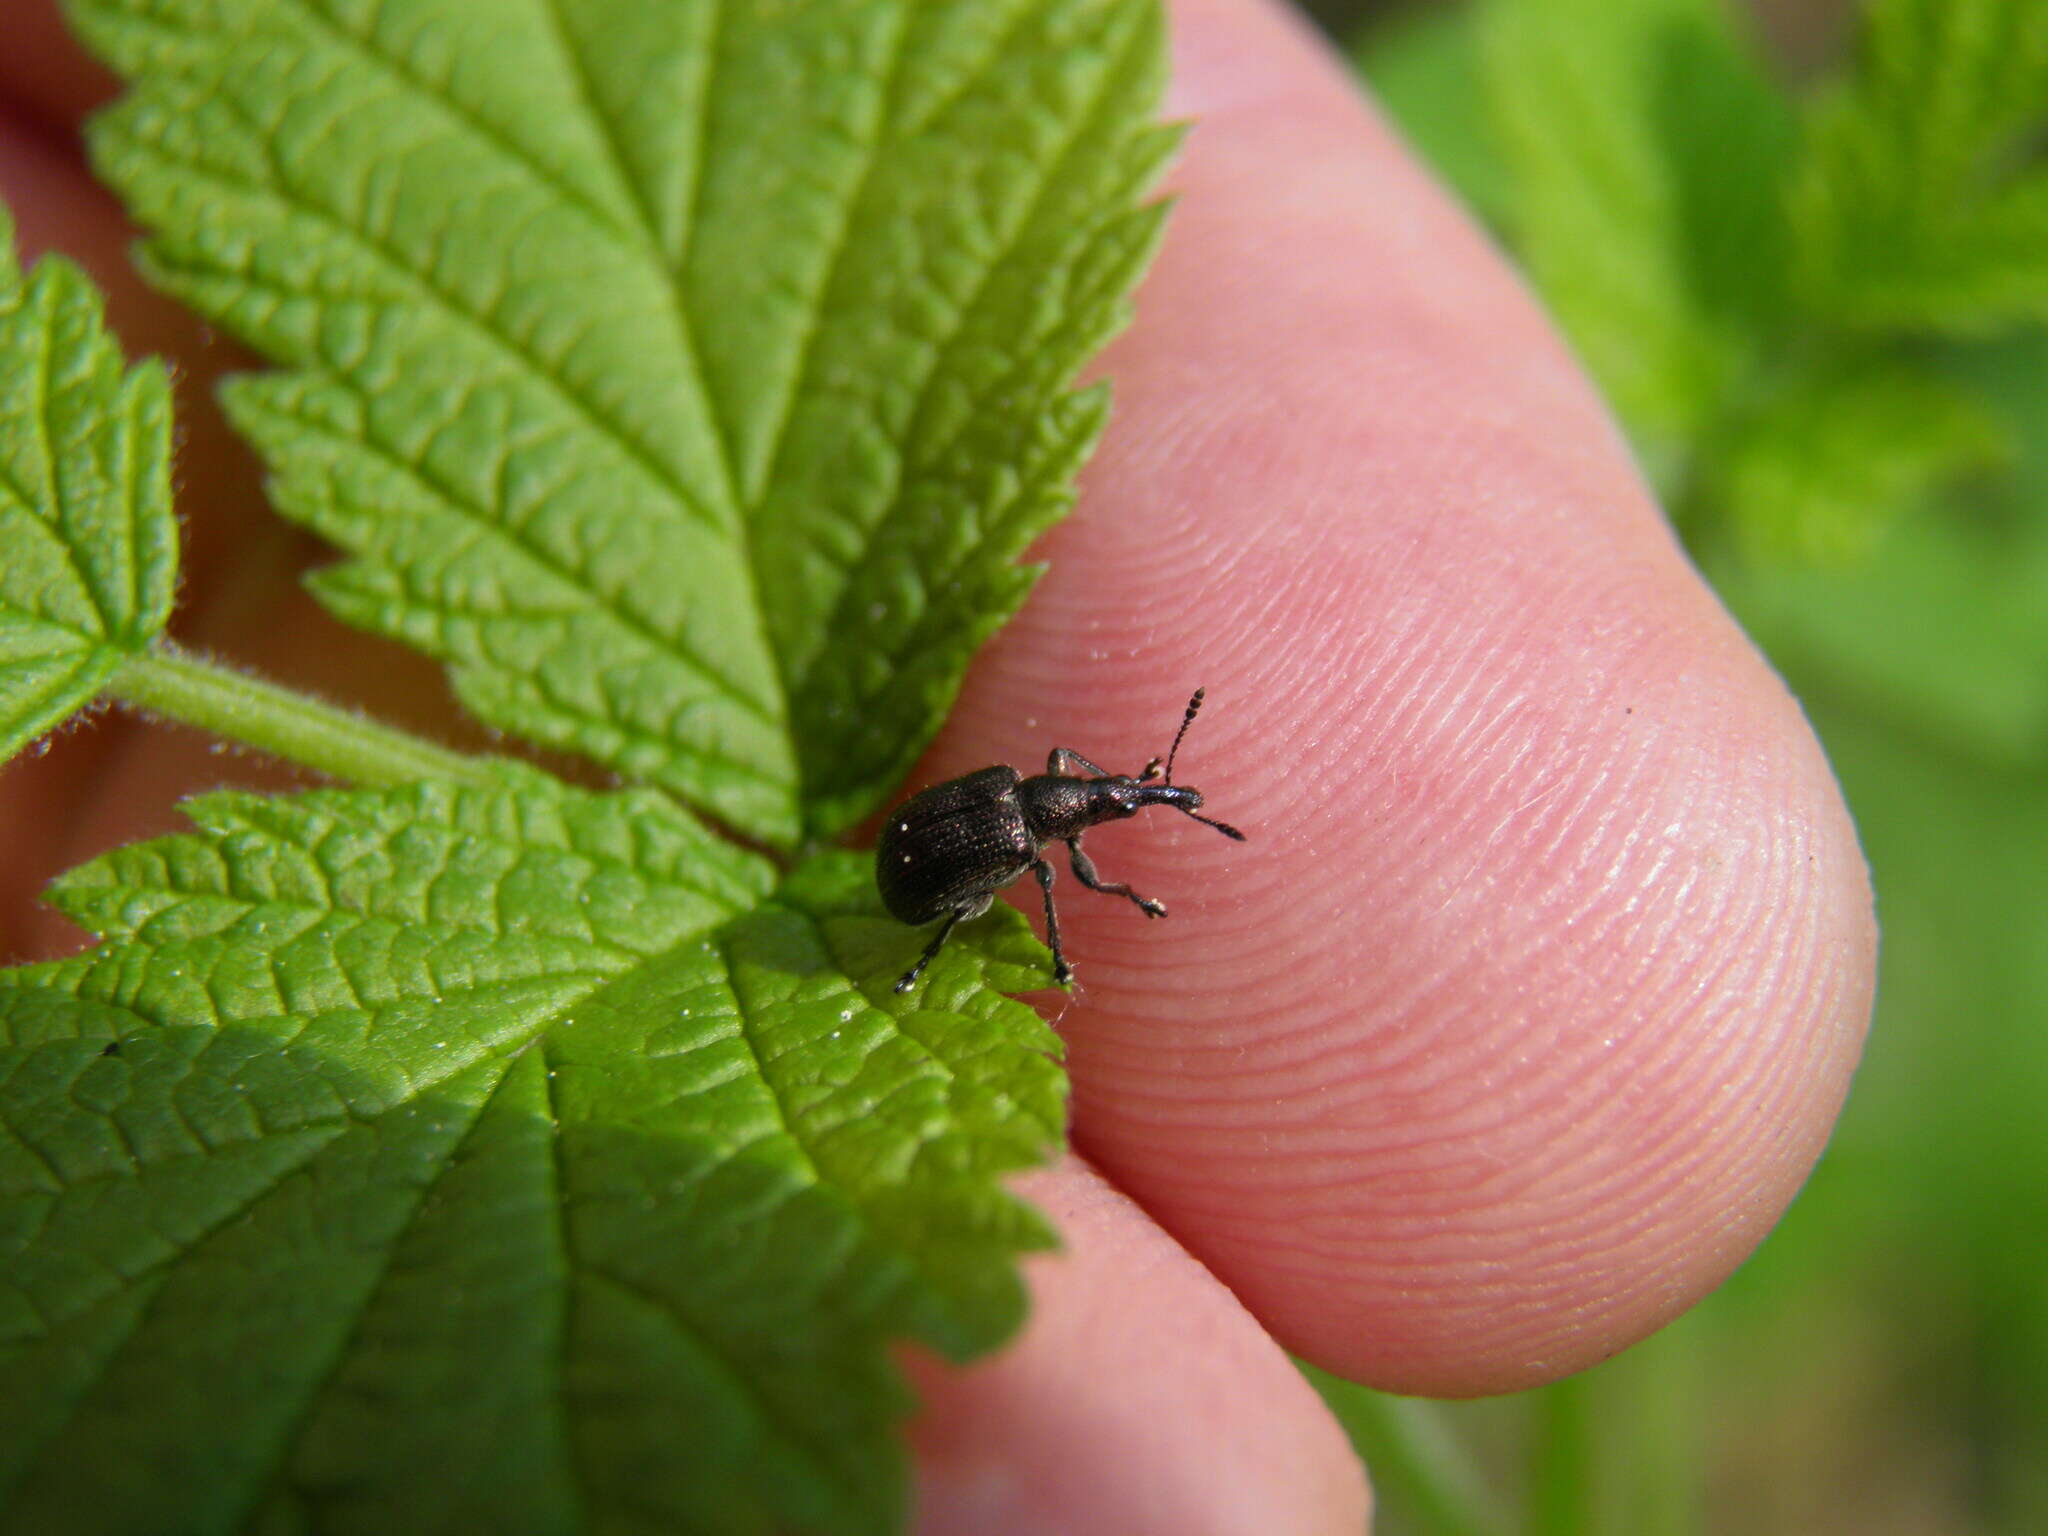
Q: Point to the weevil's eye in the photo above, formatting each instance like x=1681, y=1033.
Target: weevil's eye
x=1113, y=799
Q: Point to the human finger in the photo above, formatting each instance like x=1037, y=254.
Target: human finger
x=1141, y=1398
x=1532, y=996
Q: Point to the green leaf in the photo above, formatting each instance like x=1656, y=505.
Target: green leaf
x=1941, y=636
x=515, y=1160
x=1646, y=151
x=1820, y=466
x=88, y=547
x=688, y=376
x=1922, y=200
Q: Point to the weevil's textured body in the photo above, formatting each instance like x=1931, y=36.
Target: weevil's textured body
x=947, y=850
x=953, y=844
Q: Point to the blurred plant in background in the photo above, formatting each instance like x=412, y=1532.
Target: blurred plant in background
x=1821, y=312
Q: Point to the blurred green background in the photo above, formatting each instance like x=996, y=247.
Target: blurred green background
x=1804, y=248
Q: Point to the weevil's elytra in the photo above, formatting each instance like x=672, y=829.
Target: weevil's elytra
x=947, y=850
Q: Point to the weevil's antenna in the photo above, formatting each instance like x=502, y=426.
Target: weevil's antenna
x=1186, y=720
x=1221, y=826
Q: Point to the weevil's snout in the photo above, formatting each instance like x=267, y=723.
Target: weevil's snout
x=1179, y=796
x=1189, y=803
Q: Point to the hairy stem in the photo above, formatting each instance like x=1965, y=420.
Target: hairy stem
x=267, y=718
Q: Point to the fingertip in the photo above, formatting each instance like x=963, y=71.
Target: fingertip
x=1536, y=992
x=1141, y=1398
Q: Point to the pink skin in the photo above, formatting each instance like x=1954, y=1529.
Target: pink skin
x=1144, y=1399
x=1534, y=995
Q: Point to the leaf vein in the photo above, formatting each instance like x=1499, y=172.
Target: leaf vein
x=438, y=97
x=721, y=430
x=565, y=1247
x=321, y=1379
x=233, y=1211
x=842, y=243
x=132, y=495
x=47, y=525
x=741, y=1379
x=435, y=298
x=608, y=606
x=679, y=314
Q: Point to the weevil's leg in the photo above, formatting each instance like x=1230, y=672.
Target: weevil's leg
x=1061, y=971
x=1065, y=760
x=909, y=978
x=1084, y=871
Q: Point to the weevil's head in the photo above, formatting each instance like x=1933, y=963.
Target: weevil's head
x=1183, y=799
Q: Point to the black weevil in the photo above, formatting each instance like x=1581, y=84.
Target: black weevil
x=947, y=850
